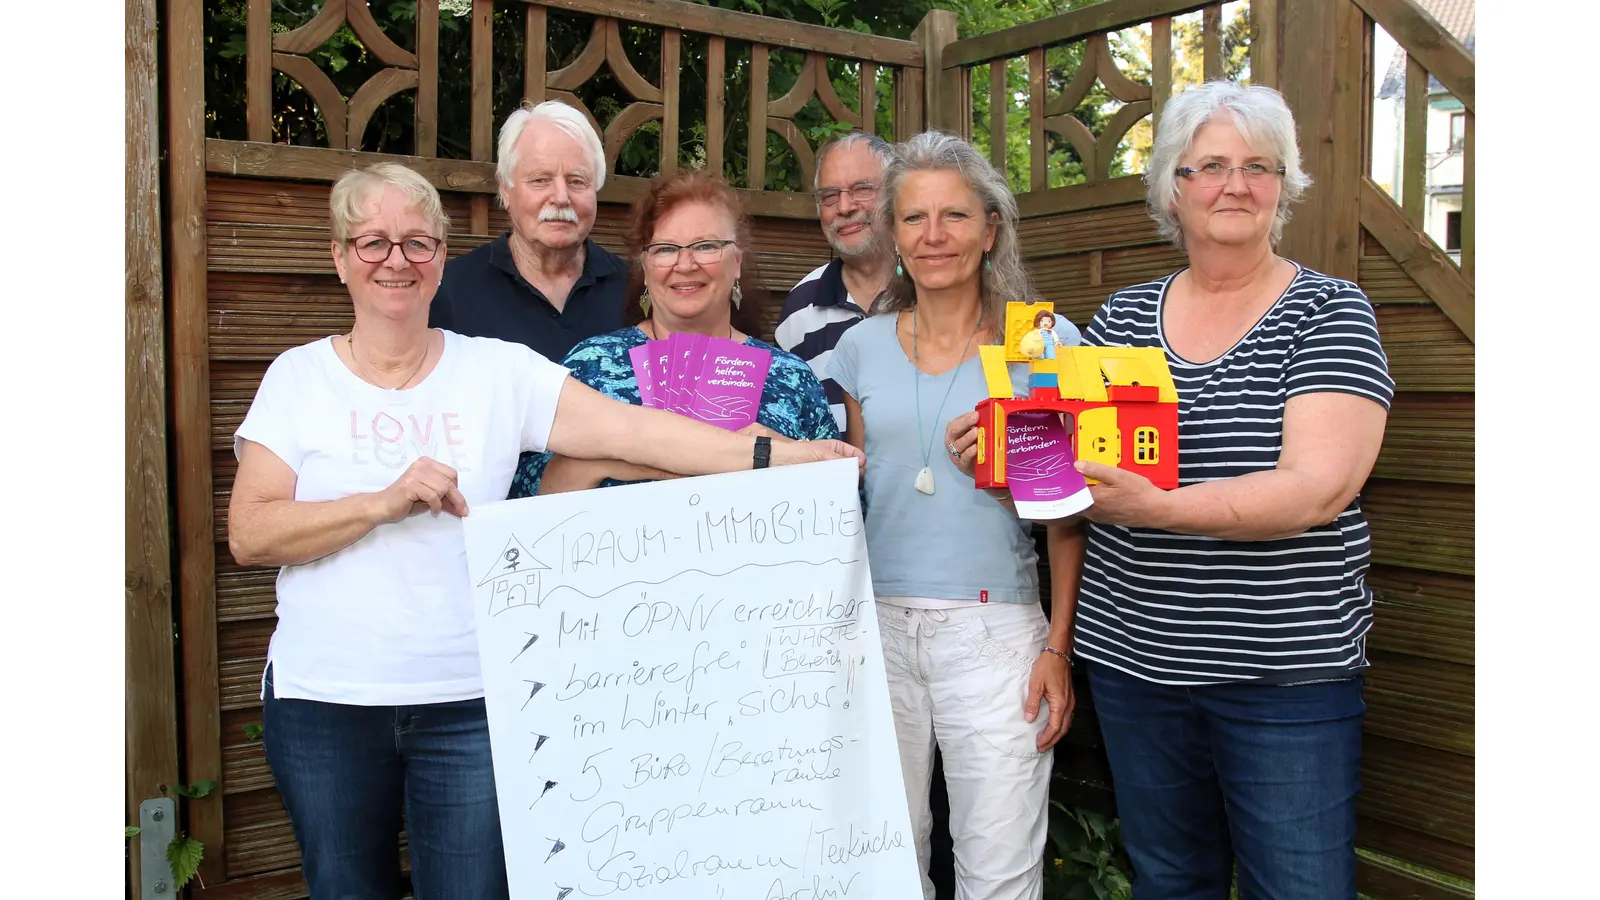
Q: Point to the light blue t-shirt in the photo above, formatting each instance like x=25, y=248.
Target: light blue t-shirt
x=957, y=542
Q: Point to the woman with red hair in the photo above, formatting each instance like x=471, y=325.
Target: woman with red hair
x=688, y=242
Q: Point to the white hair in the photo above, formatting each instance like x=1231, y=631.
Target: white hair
x=1263, y=120
x=571, y=122
x=880, y=148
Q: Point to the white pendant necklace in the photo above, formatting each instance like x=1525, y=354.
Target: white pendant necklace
x=924, y=481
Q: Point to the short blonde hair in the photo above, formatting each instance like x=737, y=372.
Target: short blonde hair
x=348, y=201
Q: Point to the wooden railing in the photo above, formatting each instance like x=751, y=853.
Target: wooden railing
x=1430, y=51
x=1052, y=112
x=648, y=99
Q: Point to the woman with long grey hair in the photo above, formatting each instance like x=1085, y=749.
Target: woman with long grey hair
x=969, y=653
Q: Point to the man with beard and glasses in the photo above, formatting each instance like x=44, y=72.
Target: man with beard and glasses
x=836, y=296
x=544, y=283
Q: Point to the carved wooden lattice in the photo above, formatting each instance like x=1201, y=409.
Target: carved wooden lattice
x=345, y=121
x=1097, y=152
x=650, y=102
x=1090, y=27
x=813, y=81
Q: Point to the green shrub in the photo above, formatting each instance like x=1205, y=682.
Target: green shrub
x=1084, y=858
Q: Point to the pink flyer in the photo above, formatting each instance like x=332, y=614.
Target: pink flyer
x=1039, y=468
x=728, y=391
x=644, y=373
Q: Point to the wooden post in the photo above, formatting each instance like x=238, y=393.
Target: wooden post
x=959, y=87
x=1346, y=166
x=942, y=101
x=1160, y=69
x=535, y=54
x=1414, y=156
x=716, y=98
x=867, y=96
x=482, y=104
x=756, y=153
x=427, y=110
x=908, y=117
x=1211, y=42
x=999, y=105
x=258, y=70
x=190, y=378
x=1038, y=151
x=670, y=43
x=1469, y=250
x=1320, y=77
x=1264, y=39
x=150, y=700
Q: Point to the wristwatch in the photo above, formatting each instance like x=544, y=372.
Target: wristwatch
x=763, y=456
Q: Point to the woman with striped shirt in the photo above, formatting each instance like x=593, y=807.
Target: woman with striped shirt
x=1224, y=623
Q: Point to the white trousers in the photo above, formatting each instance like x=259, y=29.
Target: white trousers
x=958, y=679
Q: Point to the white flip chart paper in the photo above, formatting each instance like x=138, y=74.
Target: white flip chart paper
x=685, y=692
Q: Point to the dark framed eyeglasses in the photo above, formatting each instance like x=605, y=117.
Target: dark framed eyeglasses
x=663, y=254
x=1213, y=174
x=375, y=248
x=860, y=192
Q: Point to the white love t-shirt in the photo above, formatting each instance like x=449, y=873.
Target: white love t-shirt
x=388, y=620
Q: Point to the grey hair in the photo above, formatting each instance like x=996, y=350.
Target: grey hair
x=571, y=122
x=1004, y=279
x=880, y=148
x=1263, y=120
x=348, y=200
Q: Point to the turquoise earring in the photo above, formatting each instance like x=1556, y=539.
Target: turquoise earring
x=898, y=268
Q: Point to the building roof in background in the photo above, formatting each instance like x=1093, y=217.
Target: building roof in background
x=1459, y=17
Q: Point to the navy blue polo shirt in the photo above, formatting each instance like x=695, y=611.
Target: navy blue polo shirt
x=483, y=295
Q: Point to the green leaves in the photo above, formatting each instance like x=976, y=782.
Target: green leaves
x=195, y=791
x=253, y=732
x=130, y=831
x=828, y=10
x=1085, y=859
x=184, y=854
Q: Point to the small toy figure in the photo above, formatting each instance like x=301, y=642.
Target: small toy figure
x=1120, y=404
x=1041, y=342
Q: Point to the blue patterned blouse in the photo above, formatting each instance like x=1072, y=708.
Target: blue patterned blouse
x=792, y=402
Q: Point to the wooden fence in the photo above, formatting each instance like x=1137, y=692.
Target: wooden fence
x=247, y=275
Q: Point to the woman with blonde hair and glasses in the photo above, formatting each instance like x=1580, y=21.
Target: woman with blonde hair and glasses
x=689, y=244
x=357, y=458
x=972, y=662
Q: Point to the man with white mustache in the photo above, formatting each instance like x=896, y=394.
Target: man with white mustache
x=824, y=304
x=543, y=283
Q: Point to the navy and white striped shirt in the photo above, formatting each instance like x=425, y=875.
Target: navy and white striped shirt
x=817, y=311
x=1187, y=609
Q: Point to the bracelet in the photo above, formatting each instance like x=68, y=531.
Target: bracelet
x=763, y=452
x=1060, y=653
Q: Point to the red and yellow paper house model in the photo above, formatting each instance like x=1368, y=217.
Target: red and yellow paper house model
x=1122, y=404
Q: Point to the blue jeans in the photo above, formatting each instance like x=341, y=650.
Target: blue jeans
x=352, y=776
x=1262, y=775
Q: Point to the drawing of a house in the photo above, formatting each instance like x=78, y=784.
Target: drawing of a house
x=514, y=578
